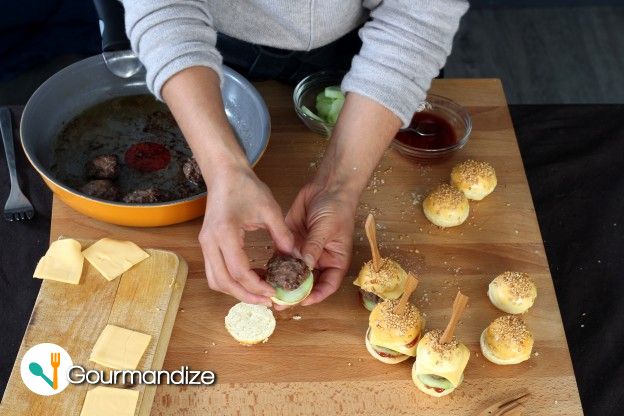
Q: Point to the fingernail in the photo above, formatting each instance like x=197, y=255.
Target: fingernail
x=296, y=252
x=309, y=261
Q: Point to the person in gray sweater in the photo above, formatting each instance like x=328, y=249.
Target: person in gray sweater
x=404, y=44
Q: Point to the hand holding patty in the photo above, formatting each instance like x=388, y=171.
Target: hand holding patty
x=323, y=221
x=228, y=216
x=237, y=200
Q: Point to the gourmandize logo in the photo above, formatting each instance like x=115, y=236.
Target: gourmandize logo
x=44, y=369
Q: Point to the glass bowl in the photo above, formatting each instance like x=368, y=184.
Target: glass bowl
x=305, y=95
x=456, y=116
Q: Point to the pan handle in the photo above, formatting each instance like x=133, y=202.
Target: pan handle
x=112, y=29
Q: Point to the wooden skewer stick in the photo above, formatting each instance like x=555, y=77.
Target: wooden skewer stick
x=371, y=234
x=459, y=305
x=410, y=287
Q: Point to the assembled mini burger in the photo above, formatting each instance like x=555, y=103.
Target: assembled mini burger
x=380, y=278
x=386, y=283
x=439, y=368
x=440, y=358
x=392, y=338
x=290, y=277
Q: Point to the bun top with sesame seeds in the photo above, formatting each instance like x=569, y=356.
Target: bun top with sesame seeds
x=474, y=178
x=512, y=292
x=387, y=327
x=446, y=206
x=387, y=283
x=508, y=338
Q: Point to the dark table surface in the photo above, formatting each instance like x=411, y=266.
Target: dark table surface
x=574, y=160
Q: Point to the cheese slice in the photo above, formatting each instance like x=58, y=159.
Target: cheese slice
x=112, y=257
x=450, y=367
x=107, y=401
x=119, y=348
x=62, y=262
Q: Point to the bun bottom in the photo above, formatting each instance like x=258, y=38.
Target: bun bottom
x=490, y=356
x=387, y=360
x=431, y=392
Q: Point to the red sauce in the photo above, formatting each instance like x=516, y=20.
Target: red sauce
x=434, y=132
x=385, y=354
x=437, y=389
x=414, y=342
x=147, y=157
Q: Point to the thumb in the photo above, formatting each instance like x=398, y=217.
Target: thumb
x=314, y=244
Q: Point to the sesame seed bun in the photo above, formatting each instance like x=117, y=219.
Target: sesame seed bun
x=475, y=179
x=446, y=206
x=393, y=331
x=250, y=324
x=387, y=283
x=507, y=340
x=512, y=292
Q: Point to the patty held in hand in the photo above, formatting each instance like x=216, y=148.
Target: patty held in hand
x=290, y=277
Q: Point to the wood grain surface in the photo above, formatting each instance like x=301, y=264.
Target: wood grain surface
x=144, y=299
x=319, y=364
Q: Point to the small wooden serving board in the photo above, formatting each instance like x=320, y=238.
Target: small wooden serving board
x=144, y=299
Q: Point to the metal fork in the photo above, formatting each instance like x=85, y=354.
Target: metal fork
x=17, y=207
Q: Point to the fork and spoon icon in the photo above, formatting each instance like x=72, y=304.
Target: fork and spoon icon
x=55, y=361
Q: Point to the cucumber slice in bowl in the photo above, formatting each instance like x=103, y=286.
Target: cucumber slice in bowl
x=293, y=297
x=334, y=92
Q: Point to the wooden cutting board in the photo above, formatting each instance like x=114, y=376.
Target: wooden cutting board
x=144, y=299
x=319, y=364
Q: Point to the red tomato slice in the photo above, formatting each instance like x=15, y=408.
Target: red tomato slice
x=147, y=156
x=414, y=342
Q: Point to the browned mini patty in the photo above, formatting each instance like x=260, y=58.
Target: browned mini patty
x=370, y=296
x=286, y=271
x=191, y=172
x=145, y=196
x=103, y=167
x=101, y=188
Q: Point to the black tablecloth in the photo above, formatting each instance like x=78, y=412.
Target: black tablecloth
x=574, y=159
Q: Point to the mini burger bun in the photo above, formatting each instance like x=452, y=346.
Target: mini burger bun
x=507, y=340
x=487, y=353
x=387, y=360
x=474, y=178
x=431, y=392
x=446, y=206
x=250, y=324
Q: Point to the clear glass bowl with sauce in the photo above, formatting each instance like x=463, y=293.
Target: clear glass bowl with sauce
x=441, y=128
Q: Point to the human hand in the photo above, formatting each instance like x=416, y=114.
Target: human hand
x=238, y=202
x=322, y=220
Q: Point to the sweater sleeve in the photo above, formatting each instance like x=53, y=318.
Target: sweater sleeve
x=169, y=36
x=404, y=46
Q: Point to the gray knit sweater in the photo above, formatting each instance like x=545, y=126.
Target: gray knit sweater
x=405, y=42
